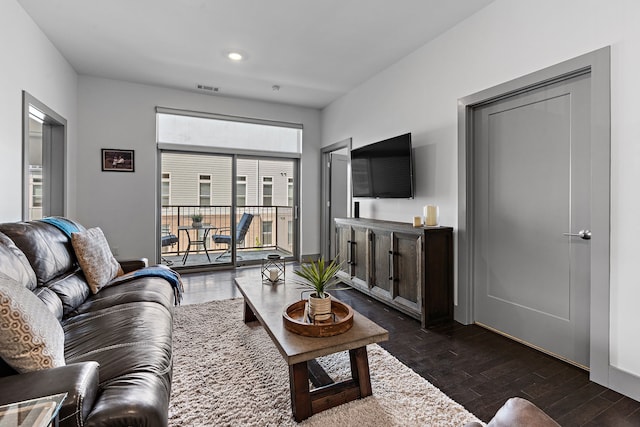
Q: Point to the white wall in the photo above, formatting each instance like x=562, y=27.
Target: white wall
x=31, y=63
x=114, y=114
x=506, y=40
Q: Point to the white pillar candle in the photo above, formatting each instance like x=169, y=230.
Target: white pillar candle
x=431, y=217
x=273, y=275
x=417, y=221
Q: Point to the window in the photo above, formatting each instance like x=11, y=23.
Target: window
x=43, y=167
x=226, y=132
x=290, y=233
x=166, y=189
x=241, y=191
x=204, y=190
x=35, y=192
x=267, y=191
x=267, y=232
x=289, y=191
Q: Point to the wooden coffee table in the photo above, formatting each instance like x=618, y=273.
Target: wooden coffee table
x=266, y=302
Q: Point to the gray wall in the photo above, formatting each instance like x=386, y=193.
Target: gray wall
x=115, y=114
x=31, y=63
x=505, y=40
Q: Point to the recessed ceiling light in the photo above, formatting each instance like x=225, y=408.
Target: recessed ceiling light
x=235, y=56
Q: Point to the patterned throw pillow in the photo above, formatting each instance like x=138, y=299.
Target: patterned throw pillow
x=31, y=338
x=95, y=258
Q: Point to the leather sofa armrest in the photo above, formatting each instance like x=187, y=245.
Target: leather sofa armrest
x=133, y=264
x=78, y=380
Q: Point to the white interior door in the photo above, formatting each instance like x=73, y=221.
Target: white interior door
x=532, y=187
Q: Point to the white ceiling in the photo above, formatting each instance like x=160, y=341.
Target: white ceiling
x=315, y=50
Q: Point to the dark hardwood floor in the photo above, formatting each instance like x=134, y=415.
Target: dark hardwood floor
x=474, y=366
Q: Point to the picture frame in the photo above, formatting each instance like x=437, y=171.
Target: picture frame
x=117, y=160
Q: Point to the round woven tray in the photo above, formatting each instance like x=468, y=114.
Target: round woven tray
x=340, y=321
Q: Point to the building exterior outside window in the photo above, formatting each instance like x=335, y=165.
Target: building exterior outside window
x=289, y=191
x=35, y=192
x=241, y=190
x=267, y=233
x=267, y=191
x=166, y=188
x=204, y=190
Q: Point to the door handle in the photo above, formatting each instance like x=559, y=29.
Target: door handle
x=583, y=234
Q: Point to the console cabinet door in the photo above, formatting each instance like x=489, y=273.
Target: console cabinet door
x=360, y=255
x=407, y=270
x=343, y=248
x=381, y=274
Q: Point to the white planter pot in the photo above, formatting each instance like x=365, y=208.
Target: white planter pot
x=319, y=308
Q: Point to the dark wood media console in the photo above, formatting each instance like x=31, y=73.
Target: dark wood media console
x=409, y=268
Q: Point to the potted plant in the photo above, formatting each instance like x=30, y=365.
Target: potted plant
x=196, y=220
x=320, y=277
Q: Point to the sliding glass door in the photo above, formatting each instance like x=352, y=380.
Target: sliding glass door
x=266, y=189
x=227, y=188
x=221, y=209
x=196, y=204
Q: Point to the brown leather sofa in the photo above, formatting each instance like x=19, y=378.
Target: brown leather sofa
x=519, y=412
x=117, y=342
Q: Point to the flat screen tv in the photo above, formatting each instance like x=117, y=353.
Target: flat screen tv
x=383, y=169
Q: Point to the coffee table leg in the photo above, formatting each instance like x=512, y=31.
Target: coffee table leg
x=299, y=387
x=360, y=370
x=249, y=316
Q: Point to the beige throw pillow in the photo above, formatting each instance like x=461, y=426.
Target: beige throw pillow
x=31, y=338
x=95, y=258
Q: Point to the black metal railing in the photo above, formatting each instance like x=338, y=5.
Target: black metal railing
x=271, y=227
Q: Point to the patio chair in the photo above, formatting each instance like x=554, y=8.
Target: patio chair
x=168, y=239
x=241, y=232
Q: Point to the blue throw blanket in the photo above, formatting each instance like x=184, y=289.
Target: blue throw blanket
x=63, y=224
x=155, y=271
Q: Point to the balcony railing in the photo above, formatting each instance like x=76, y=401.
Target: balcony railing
x=271, y=228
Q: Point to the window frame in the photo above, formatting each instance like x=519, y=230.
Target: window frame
x=264, y=184
x=209, y=182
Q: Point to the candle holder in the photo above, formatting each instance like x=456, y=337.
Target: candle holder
x=273, y=269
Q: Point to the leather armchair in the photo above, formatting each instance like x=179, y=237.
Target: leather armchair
x=519, y=412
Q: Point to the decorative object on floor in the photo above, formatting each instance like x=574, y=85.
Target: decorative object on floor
x=196, y=221
x=319, y=277
x=273, y=268
x=114, y=160
x=233, y=375
x=296, y=320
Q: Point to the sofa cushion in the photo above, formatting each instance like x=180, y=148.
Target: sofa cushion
x=124, y=338
x=47, y=248
x=95, y=258
x=142, y=289
x=15, y=264
x=72, y=289
x=50, y=300
x=31, y=338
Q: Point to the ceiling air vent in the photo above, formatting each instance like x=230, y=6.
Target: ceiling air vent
x=208, y=88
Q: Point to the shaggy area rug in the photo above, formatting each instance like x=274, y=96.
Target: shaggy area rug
x=227, y=372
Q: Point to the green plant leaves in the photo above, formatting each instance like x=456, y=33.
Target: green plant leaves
x=319, y=276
